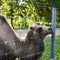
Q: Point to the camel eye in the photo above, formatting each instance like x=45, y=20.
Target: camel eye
x=39, y=30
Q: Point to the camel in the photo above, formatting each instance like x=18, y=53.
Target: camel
x=11, y=46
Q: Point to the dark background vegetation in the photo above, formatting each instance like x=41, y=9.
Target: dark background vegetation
x=22, y=15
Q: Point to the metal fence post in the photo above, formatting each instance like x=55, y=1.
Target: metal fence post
x=54, y=29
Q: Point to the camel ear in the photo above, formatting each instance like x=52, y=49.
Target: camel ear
x=39, y=30
x=32, y=28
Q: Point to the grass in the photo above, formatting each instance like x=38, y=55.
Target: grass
x=47, y=51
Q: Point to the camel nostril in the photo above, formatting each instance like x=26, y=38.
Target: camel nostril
x=49, y=28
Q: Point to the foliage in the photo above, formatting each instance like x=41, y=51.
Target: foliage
x=32, y=10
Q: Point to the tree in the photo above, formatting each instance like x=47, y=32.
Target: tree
x=31, y=10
